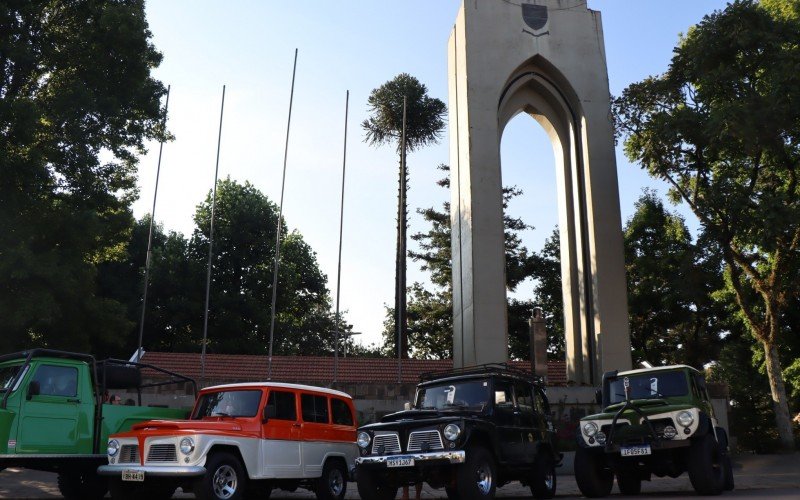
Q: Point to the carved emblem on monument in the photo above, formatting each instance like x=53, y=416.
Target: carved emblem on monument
x=535, y=16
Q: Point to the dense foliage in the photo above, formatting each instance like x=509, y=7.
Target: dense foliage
x=722, y=126
x=77, y=103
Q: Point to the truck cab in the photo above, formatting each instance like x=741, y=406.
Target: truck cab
x=54, y=417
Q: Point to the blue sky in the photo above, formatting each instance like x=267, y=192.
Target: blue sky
x=356, y=45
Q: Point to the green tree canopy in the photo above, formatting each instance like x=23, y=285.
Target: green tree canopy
x=722, y=127
x=77, y=102
x=424, y=124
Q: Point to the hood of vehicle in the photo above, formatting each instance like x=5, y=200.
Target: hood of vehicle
x=189, y=426
x=647, y=406
x=413, y=419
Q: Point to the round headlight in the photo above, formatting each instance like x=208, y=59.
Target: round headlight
x=113, y=447
x=685, y=418
x=670, y=432
x=601, y=437
x=590, y=429
x=451, y=432
x=363, y=439
x=187, y=445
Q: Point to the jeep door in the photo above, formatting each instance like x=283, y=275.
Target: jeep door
x=280, y=446
x=315, y=432
x=59, y=419
x=528, y=421
x=506, y=418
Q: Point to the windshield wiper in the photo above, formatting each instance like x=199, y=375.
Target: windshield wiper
x=426, y=408
x=221, y=414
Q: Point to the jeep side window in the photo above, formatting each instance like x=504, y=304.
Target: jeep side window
x=541, y=403
x=524, y=397
x=314, y=408
x=341, y=412
x=284, y=403
x=699, y=388
x=57, y=380
x=503, y=396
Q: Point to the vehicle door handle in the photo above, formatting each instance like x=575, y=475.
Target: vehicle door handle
x=73, y=401
x=295, y=425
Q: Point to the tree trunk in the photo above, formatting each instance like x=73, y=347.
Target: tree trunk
x=400, y=320
x=782, y=418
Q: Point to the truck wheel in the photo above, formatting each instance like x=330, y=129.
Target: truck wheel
x=477, y=477
x=543, y=482
x=332, y=485
x=706, y=466
x=593, y=477
x=75, y=485
x=629, y=483
x=370, y=487
x=225, y=479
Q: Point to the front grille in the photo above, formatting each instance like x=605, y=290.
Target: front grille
x=385, y=443
x=162, y=453
x=129, y=454
x=417, y=440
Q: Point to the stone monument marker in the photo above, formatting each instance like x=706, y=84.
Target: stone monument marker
x=545, y=58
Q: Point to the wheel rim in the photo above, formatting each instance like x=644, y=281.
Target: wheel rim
x=335, y=482
x=225, y=482
x=548, y=480
x=483, y=476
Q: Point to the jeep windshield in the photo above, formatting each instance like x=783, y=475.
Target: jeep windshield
x=227, y=404
x=472, y=395
x=7, y=374
x=647, y=385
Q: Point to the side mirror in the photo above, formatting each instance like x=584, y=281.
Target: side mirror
x=598, y=397
x=34, y=389
x=407, y=405
x=269, y=412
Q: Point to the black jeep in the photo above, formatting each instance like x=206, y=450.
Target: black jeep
x=469, y=431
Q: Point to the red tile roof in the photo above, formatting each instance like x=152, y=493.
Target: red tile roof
x=316, y=369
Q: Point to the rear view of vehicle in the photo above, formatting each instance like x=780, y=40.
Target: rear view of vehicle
x=655, y=421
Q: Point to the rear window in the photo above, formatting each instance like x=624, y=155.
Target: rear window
x=315, y=408
x=341, y=412
x=228, y=404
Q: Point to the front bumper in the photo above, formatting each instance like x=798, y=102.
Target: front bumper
x=452, y=457
x=153, y=470
x=654, y=446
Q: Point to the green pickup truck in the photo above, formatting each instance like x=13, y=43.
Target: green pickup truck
x=54, y=414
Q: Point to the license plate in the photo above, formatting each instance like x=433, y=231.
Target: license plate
x=133, y=475
x=400, y=462
x=635, y=451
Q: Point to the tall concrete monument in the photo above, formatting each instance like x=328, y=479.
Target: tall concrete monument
x=545, y=58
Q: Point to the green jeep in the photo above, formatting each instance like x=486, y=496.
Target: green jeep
x=54, y=417
x=654, y=421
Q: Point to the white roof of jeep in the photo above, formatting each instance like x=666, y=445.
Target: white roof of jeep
x=658, y=368
x=279, y=385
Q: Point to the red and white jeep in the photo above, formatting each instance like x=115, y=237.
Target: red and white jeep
x=241, y=441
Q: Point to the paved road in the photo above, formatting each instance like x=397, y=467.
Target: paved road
x=756, y=476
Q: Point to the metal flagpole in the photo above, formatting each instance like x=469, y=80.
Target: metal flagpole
x=401, y=270
x=341, y=226
x=278, y=230
x=150, y=234
x=211, y=245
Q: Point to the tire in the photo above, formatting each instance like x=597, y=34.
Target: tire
x=706, y=466
x=225, y=479
x=629, y=483
x=476, y=478
x=371, y=488
x=76, y=485
x=593, y=477
x=543, y=482
x=332, y=485
x=728, y=482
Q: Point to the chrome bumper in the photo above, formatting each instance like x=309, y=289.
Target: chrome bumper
x=454, y=457
x=153, y=470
